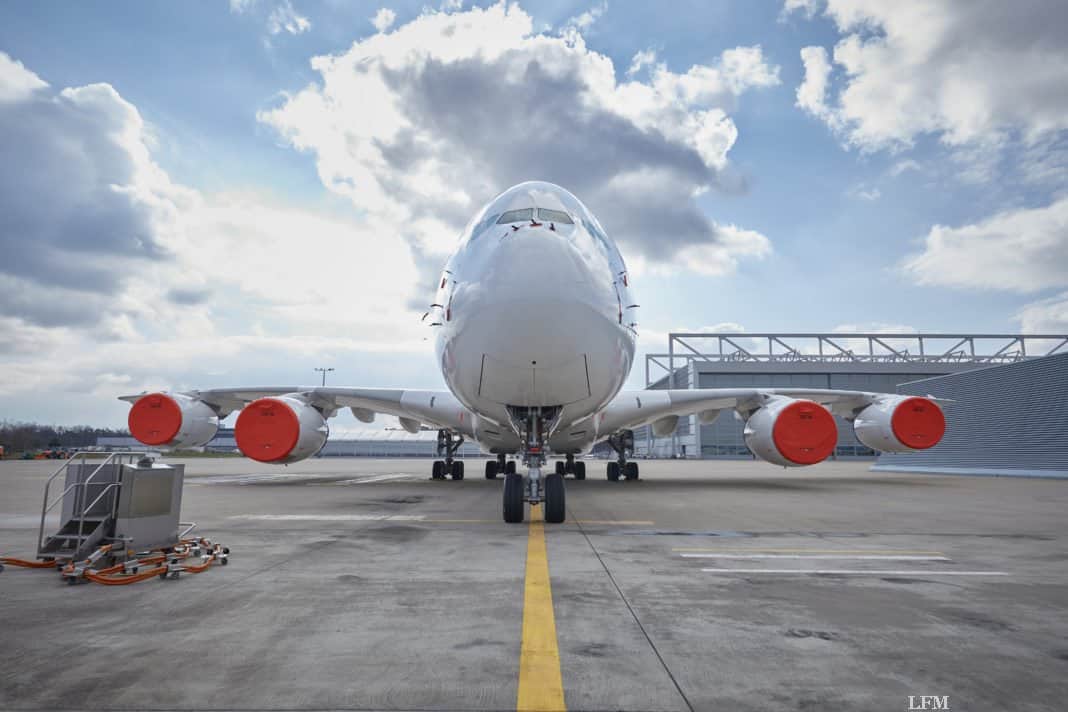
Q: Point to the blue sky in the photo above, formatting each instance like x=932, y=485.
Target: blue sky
x=222, y=193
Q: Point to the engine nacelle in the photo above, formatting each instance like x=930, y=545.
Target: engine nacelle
x=900, y=424
x=280, y=429
x=791, y=432
x=172, y=420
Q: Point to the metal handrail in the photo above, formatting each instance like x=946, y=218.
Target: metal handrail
x=81, y=518
x=82, y=487
x=45, y=506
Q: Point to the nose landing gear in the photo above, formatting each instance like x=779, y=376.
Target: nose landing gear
x=448, y=444
x=623, y=443
x=535, y=488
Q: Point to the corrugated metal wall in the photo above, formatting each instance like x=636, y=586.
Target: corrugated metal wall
x=1007, y=420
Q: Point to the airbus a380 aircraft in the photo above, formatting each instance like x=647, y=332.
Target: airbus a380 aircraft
x=535, y=329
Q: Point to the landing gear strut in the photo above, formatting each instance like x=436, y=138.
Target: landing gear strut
x=623, y=443
x=448, y=444
x=534, y=425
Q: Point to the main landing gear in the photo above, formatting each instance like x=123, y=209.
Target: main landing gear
x=570, y=467
x=623, y=443
x=500, y=466
x=548, y=490
x=448, y=444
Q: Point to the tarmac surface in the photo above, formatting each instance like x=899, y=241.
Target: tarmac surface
x=363, y=585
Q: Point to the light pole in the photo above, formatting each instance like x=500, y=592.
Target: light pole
x=324, y=371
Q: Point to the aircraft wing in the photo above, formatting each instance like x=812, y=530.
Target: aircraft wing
x=436, y=408
x=631, y=409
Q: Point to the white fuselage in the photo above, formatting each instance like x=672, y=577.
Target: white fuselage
x=534, y=311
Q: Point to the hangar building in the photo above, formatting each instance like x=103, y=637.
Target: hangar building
x=853, y=361
x=1004, y=420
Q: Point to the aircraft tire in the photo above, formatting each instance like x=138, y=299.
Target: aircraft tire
x=437, y=471
x=509, y=467
x=613, y=471
x=560, y=467
x=580, y=470
x=513, y=498
x=555, y=503
x=632, y=471
x=457, y=470
x=491, y=469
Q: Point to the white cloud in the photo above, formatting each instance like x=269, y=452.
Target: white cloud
x=720, y=258
x=806, y=7
x=16, y=82
x=1024, y=250
x=641, y=59
x=812, y=93
x=383, y=19
x=419, y=127
x=583, y=21
x=1048, y=316
x=864, y=192
x=116, y=278
x=284, y=18
x=966, y=72
x=903, y=166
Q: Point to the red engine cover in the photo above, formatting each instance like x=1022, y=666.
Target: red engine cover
x=155, y=419
x=267, y=430
x=918, y=423
x=805, y=433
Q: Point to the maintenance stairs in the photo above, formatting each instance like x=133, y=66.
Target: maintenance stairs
x=90, y=500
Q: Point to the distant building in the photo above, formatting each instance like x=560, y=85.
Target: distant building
x=860, y=361
x=357, y=442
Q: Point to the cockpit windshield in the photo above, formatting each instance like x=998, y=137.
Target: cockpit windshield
x=514, y=216
x=556, y=216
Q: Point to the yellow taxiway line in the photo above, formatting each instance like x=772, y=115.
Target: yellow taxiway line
x=540, y=684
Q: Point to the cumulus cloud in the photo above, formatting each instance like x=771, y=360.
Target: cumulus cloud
x=110, y=267
x=1024, y=250
x=82, y=204
x=383, y=19
x=966, y=72
x=16, y=82
x=812, y=93
x=421, y=126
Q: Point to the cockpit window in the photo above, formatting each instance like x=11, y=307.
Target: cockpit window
x=556, y=216
x=514, y=216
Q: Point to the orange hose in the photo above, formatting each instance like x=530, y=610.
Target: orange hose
x=27, y=564
x=123, y=580
x=197, y=568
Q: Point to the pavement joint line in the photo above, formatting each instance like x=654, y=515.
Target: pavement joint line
x=540, y=686
x=812, y=557
x=634, y=615
x=855, y=572
x=733, y=550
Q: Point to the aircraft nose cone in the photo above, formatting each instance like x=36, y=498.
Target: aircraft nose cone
x=538, y=259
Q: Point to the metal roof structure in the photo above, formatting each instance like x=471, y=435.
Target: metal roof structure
x=870, y=348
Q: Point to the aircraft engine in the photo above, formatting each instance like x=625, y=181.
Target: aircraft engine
x=172, y=420
x=900, y=424
x=791, y=432
x=280, y=430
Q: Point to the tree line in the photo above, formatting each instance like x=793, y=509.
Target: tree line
x=19, y=437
